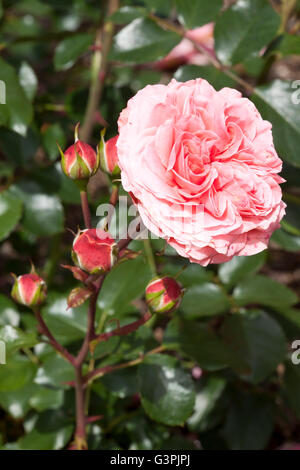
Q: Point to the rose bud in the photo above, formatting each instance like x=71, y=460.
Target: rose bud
x=80, y=161
x=108, y=155
x=29, y=289
x=163, y=294
x=94, y=251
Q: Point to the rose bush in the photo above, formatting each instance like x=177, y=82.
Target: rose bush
x=202, y=169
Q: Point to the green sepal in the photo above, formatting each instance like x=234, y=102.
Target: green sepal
x=101, y=152
x=63, y=160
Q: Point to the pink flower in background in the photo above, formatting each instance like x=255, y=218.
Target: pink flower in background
x=186, y=53
x=202, y=169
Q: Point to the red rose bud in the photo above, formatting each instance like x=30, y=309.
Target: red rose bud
x=30, y=290
x=108, y=155
x=80, y=161
x=163, y=294
x=94, y=251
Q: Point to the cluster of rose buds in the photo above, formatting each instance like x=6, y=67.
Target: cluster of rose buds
x=94, y=251
x=80, y=161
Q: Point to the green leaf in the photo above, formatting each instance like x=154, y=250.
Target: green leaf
x=167, y=391
x=68, y=192
x=291, y=221
x=68, y=50
x=122, y=383
x=214, y=76
x=44, y=213
x=10, y=213
x=178, y=442
x=52, y=136
x=209, y=391
x=163, y=8
x=241, y=267
x=28, y=80
x=265, y=291
x=17, y=111
x=258, y=340
x=191, y=274
x=124, y=284
x=142, y=433
x=43, y=398
x=209, y=350
x=290, y=314
x=249, y=422
x=127, y=14
x=292, y=386
x=67, y=324
x=289, y=45
x=243, y=29
x=54, y=440
x=197, y=13
x=51, y=431
x=19, y=149
x=285, y=240
x=9, y=313
x=15, y=339
x=6, y=170
x=17, y=372
x=203, y=300
x=278, y=102
x=142, y=41
x=16, y=403
x=55, y=372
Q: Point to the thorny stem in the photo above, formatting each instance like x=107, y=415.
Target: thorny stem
x=80, y=434
x=123, y=330
x=91, y=325
x=43, y=329
x=99, y=66
x=85, y=209
x=107, y=369
x=165, y=24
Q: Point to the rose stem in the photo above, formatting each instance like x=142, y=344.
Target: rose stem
x=124, y=330
x=108, y=369
x=80, y=434
x=150, y=256
x=98, y=69
x=43, y=329
x=165, y=24
x=85, y=209
x=112, y=201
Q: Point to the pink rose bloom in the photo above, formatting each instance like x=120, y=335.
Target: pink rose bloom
x=186, y=53
x=202, y=169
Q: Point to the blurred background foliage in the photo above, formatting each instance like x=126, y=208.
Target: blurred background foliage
x=224, y=378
